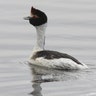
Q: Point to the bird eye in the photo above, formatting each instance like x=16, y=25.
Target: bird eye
x=35, y=16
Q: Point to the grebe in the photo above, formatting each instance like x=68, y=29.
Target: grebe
x=47, y=58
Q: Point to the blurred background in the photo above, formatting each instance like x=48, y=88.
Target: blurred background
x=71, y=29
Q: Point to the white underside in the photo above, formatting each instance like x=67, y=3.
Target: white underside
x=61, y=63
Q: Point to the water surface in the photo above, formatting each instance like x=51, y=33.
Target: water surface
x=71, y=29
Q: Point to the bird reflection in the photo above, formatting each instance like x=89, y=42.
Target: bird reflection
x=41, y=75
x=37, y=89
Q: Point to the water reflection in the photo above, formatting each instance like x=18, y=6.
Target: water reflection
x=37, y=79
x=41, y=75
x=37, y=89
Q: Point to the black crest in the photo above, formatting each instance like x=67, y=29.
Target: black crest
x=37, y=17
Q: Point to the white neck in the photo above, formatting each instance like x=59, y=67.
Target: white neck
x=40, y=38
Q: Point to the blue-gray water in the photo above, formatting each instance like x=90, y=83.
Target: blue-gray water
x=71, y=29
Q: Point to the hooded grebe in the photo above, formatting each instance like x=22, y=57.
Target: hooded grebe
x=46, y=58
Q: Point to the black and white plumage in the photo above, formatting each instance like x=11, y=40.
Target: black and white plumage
x=47, y=58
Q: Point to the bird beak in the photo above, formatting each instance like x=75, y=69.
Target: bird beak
x=27, y=18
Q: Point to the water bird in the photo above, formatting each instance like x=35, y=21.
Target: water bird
x=48, y=58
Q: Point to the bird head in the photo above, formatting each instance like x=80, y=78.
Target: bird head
x=37, y=17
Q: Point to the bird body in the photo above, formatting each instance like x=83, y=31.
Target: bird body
x=56, y=60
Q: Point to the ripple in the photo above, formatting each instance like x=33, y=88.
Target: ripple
x=73, y=32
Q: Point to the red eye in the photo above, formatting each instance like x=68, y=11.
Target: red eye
x=35, y=16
